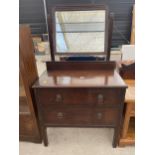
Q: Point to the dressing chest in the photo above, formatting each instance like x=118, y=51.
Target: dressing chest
x=80, y=94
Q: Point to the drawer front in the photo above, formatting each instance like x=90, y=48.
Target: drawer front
x=69, y=116
x=105, y=96
x=80, y=116
x=107, y=116
x=80, y=96
x=64, y=96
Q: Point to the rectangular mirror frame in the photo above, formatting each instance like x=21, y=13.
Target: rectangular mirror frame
x=52, y=28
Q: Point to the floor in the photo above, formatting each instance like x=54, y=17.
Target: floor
x=76, y=141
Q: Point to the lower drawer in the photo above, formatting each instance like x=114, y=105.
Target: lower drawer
x=67, y=116
x=107, y=116
x=80, y=116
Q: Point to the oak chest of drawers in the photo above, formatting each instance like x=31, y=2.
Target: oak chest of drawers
x=80, y=94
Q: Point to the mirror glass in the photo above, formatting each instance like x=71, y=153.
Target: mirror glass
x=80, y=31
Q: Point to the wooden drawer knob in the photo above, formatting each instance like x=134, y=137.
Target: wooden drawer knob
x=60, y=115
x=100, y=99
x=99, y=115
x=58, y=98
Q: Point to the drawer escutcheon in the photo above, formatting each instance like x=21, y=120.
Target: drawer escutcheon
x=58, y=98
x=60, y=115
x=99, y=115
x=100, y=99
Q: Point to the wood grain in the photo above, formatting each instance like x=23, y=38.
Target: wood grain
x=90, y=97
x=127, y=135
x=28, y=128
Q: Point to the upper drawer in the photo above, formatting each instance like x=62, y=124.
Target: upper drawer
x=76, y=96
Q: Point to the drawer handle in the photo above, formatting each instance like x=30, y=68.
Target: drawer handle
x=60, y=115
x=100, y=98
x=58, y=98
x=99, y=115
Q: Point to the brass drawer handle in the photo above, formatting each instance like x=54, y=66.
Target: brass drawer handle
x=100, y=98
x=60, y=115
x=99, y=115
x=58, y=98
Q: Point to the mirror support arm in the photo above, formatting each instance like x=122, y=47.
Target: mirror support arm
x=110, y=30
x=50, y=38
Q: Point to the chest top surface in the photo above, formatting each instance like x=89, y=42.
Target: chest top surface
x=79, y=78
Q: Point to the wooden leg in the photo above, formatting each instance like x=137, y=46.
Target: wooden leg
x=116, y=137
x=44, y=134
x=117, y=129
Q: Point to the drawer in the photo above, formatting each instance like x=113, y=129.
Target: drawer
x=80, y=96
x=69, y=116
x=80, y=116
x=64, y=96
x=106, y=96
x=106, y=116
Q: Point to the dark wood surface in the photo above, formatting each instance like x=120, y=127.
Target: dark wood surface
x=80, y=98
x=80, y=79
x=82, y=116
x=79, y=7
x=87, y=97
x=28, y=125
x=58, y=79
x=88, y=65
x=110, y=30
x=80, y=74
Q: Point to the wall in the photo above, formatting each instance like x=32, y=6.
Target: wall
x=32, y=12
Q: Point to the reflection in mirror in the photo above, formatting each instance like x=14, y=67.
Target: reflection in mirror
x=80, y=31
